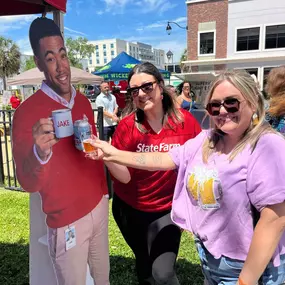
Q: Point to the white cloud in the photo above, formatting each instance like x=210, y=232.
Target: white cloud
x=100, y=12
x=145, y=6
x=68, y=6
x=161, y=24
x=159, y=6
x=156, y=25
x=116, y=6
x=8, y=23
x=24, y=45
x=21, y=18
x=180, y=20
x=74, y=31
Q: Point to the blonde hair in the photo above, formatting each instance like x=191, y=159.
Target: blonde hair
x=241, y=80
x=276, y=90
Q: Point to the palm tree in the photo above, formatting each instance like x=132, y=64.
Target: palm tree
x=10, y=59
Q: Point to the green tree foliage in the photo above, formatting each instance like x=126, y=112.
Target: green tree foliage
x=10, y=59
x=29, y=63
x=183, y=57
x=78, y=49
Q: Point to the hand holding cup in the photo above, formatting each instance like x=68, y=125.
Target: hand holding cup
x=44, y=137
x=104, y=150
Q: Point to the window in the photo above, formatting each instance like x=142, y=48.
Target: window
x=112, y=45
x=90, y=61
x=275, y=37
x=97, y=53
x=248, y=39
x=134, y=49
x=112, y=52
x=206, y=43
x=96, y=47
x=105, y=60
x=104, y=46
x=105, y=53
x=97, y=61
x=252, y=71
x=266, y=71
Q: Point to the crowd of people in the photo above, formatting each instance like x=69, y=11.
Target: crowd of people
x=225, y=185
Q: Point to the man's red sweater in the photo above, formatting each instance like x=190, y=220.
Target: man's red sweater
x=70, y=184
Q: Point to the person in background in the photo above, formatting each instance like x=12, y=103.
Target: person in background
x=185, y=99
x=173, y=92
x=227, y=177
x=275, y=88
x=71, y=187
x=108, y=101
x=15, y=101
x=142, y=203
x=120, y=99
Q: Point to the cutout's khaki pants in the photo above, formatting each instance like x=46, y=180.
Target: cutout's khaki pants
x=92, y=247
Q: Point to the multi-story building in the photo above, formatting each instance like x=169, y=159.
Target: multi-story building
x=106, y=50
x=235, y=34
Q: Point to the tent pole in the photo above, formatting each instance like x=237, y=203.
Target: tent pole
x=58, y=19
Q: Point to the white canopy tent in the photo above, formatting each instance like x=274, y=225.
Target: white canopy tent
x=35, y=77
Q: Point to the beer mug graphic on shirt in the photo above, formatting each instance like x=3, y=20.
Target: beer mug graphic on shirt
x=205, y=187
x=63, y=124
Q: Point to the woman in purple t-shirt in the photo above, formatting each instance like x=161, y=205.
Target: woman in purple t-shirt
x=225, y=175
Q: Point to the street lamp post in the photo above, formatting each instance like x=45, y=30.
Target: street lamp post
x=168, y=27
x=169, y=55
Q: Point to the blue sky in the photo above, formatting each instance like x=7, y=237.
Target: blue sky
x=132, y=20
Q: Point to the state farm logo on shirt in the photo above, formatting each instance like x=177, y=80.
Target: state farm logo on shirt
x=162, y=147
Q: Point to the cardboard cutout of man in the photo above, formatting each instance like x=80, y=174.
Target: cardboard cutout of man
x=72, y=188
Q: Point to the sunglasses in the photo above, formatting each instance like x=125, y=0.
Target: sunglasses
x=146, y=88
x=231, y=105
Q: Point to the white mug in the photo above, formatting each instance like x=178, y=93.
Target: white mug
x=63, y=124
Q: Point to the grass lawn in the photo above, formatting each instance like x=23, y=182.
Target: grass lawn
x=14, y=248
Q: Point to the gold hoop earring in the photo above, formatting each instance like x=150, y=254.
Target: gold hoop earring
x=255, y=119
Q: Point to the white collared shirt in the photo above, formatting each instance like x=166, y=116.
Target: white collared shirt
x=53, y=95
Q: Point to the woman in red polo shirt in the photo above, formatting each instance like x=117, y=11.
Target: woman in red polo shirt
x=141, y=207
x=14, y=100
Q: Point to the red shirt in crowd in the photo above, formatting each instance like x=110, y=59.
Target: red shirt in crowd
x=151, y=191
x=15, y=102
x=70, y=185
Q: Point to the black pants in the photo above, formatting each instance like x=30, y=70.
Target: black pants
x=153, y=238
x=108, y=132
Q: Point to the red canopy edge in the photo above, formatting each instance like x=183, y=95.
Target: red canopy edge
x=58, y=4
x=22, y=7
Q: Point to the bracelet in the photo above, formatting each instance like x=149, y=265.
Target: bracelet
x=240, y=281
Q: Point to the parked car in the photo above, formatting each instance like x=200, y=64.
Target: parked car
x=92, y=91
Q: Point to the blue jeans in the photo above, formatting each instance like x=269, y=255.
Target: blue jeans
x=225, y=271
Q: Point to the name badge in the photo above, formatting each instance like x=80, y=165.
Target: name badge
x=70, y=238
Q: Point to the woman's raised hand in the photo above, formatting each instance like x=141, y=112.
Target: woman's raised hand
x=104, y=149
